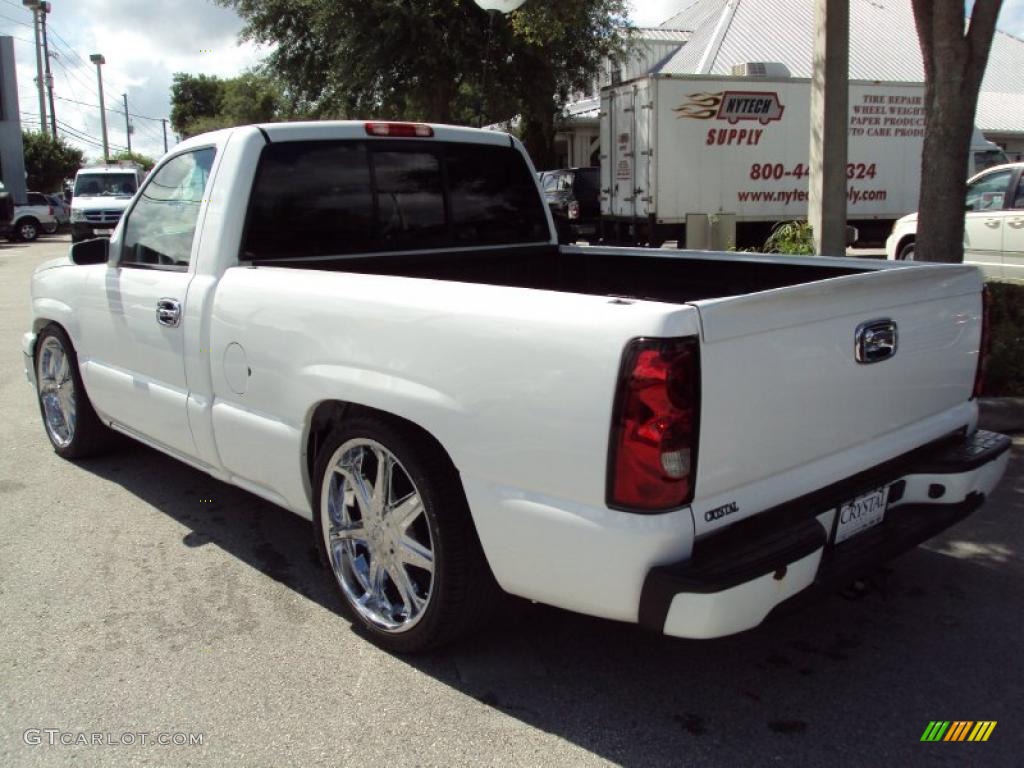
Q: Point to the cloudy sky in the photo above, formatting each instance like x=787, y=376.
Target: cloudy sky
x=146, y=41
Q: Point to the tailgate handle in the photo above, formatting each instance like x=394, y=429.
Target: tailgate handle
x=875, y=341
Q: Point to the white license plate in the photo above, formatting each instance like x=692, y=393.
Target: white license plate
x=102, y=231
x=860, y=514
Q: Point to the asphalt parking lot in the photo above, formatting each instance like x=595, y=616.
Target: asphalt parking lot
x=141, y=596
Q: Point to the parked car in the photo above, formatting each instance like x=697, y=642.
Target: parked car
x=33, y=217
x=574, y=196
x=993, y=224
x=374, y=326
x=61, y=210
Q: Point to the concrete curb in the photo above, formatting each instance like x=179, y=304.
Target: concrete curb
x=1001, y=414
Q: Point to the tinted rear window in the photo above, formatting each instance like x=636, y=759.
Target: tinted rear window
x=323, y=198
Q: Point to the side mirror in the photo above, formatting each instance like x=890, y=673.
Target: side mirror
x=95, y=251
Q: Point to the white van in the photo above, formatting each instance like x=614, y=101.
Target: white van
x=101, y=194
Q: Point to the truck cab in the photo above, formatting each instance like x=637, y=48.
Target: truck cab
x=99, y=198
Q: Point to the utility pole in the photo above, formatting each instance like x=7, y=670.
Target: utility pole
x=127, y=123
x=33, y=5
x=98, y=60
x=830, y=96
x=164, y=121
x=44, y=9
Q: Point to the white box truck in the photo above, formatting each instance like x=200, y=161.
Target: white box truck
x=712, y=161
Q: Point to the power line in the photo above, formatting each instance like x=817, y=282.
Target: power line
x=76, y=134
x=110, y=109
x=72, y=132
x=70, y=74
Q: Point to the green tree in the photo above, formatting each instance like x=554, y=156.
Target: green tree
x=955, y=55
x=49, y=161
x=201, y=103
x=426, y=60
x=557, y=49
x=194, y=97
x=144, y=161
x=252, y=97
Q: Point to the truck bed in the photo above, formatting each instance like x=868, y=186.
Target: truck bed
x=656, y=275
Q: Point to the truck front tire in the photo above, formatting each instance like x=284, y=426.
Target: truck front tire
x=71, y=424
x=393, y=526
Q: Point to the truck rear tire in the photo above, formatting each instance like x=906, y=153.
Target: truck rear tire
x=74, y=429
x=392, y=524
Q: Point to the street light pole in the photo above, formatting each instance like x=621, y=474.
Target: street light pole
x=98, y=60
x=493, y=8
x=33, y=5
x=164, y=121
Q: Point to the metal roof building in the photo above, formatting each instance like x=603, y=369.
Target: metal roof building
x=713, y=36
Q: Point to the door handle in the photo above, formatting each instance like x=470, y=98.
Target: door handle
x=168, y=312
x=1016, y=223
x=991, y=222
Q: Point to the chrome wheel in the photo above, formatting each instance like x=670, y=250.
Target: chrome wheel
x=377, y=535
x=57, y=392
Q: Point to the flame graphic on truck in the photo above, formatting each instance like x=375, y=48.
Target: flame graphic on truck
x=733, y=106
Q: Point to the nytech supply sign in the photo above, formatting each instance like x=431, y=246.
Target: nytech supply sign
x=731, y=107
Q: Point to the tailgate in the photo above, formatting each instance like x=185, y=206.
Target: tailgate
x=786, y=407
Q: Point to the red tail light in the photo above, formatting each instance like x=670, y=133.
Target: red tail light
x=400, y=130
x=985, y=344
x=652, y=458
x=51, y=210
x=574, y=210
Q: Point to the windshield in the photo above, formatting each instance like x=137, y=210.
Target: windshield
x=105, y=184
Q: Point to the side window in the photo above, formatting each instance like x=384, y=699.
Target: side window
x=1018, y=200
x=36, y=198
x=162, y=225
x=988, y=193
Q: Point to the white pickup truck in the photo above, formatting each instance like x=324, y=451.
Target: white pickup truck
x=372, y=325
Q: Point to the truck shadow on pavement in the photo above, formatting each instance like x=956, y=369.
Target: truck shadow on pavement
x=845, y=681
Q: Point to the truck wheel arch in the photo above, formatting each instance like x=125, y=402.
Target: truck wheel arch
x=327, y=414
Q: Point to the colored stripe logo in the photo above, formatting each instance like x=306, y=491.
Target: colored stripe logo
x=958, y=730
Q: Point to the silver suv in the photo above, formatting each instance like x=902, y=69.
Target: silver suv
x=32, y=218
